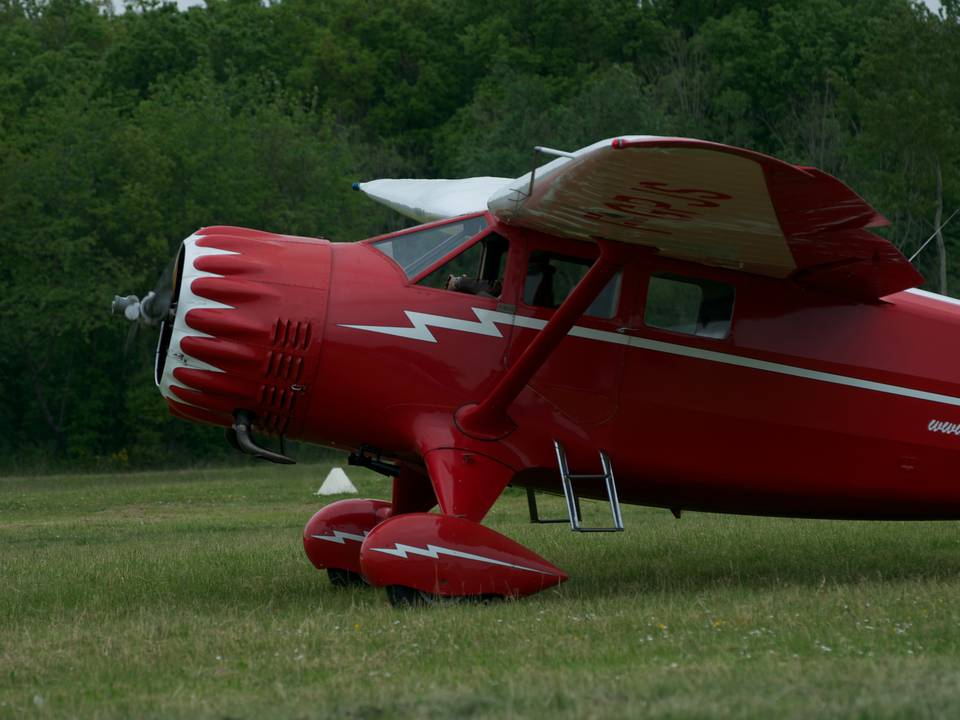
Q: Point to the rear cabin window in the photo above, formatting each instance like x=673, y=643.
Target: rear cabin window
x=689, y=305
x=551, y=277
x=416, y=251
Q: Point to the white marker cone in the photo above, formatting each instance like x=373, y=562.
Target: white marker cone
x=337, y=483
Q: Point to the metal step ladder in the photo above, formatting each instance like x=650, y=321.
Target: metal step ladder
x=573, y=501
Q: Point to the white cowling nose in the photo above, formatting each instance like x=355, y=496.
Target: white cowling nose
x=175, y=356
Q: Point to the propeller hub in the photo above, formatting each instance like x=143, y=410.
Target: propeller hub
x=129, y=306
x=155, y=307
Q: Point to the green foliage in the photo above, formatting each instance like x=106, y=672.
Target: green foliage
x=121, y=133
x=910, y=123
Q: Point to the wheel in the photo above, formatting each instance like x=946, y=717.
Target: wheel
x=403, y=596
x=345, y=578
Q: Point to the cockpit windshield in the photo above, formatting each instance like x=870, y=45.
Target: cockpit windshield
x=418, y=250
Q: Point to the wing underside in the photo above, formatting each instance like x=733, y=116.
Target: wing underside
x=428, y=200
x=716, y=205
x=689, y=203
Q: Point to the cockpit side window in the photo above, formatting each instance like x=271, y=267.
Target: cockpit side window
x=418, y=250
x=478, y=270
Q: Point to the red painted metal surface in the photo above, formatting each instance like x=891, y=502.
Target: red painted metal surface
x=412, y=492
x=466, y=483
x=451, y=556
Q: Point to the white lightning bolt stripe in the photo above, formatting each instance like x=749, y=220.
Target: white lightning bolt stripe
x=485, y=324
x=340, y=537
x=435, y=551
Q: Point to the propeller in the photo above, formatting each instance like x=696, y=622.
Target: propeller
x=152, y=310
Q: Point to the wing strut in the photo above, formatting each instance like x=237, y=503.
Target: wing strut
x=488, y=419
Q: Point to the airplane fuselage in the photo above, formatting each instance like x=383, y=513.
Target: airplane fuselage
x=808, y=404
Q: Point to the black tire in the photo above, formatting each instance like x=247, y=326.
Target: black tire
x=401, y=596
x=345, y=578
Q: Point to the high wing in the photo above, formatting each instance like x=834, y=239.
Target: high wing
x=702, y=202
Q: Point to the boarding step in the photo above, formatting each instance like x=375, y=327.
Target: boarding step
x=573, y=501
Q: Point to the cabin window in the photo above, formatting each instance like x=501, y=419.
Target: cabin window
x=478, y=270
x=689, y=305
x=551, y=278
x=416, y=251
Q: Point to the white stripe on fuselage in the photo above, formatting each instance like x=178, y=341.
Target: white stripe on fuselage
x=487, y=321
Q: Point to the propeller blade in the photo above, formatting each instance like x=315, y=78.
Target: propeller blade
x=131, y=337
x=152, y=310
x=159, y=306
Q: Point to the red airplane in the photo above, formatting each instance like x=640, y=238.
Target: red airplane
x=656, y=321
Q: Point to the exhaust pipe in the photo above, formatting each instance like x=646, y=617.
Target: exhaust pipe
x=240, y=435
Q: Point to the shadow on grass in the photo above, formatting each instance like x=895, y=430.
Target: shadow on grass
x=767, y=554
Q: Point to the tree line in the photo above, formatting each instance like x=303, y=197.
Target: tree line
x=121, y=133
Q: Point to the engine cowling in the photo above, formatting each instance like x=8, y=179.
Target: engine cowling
x=249, y=314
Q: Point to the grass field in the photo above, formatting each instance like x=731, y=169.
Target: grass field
x=187, y=594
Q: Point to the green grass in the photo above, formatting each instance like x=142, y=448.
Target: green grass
x=188, y=595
